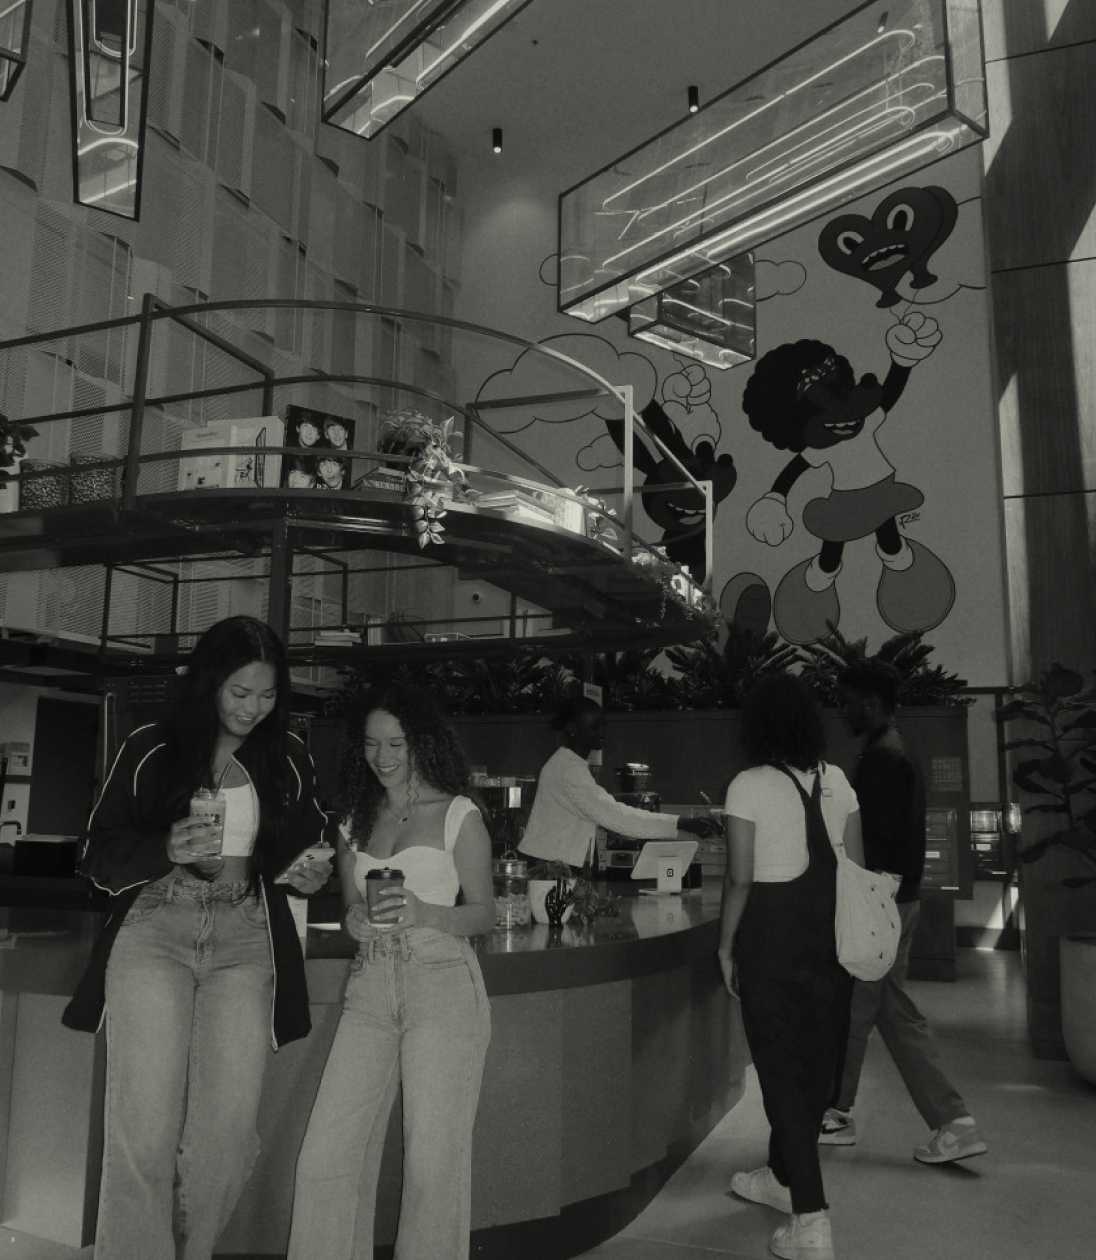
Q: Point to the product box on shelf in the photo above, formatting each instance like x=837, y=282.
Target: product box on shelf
x=230, y=470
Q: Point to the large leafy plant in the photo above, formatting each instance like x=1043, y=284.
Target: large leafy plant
x=1061, y=767
x=714, y=677
x=920, y=684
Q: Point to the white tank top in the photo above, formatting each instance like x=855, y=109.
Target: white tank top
x=241, y=821
x=430, y=873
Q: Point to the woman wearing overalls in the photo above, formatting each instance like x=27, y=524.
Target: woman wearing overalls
x=777, y=947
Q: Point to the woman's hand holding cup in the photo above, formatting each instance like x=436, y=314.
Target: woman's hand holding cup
x=395, y=907
x=193, y=840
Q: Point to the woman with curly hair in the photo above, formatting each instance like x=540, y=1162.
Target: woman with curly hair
x=777, y=949
x=416, y=1012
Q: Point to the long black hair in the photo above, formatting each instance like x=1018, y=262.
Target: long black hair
x=782, y=723
x=193, y=724
x=436, y=755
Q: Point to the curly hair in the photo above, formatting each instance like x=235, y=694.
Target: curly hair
x=773, y=400
x=436, y=754
x=782, y=723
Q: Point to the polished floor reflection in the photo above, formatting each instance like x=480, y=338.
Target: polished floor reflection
x=1032, y=1197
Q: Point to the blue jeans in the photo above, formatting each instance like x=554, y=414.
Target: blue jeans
x=885, y=1004
x=188, y=1009
x=415, y=1013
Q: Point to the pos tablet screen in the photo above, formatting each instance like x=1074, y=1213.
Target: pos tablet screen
x=665, y=861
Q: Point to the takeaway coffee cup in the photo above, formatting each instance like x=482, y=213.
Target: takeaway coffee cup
x=378, y=882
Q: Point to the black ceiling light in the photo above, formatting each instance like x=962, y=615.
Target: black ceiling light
x=496, y=139
x=694, y=98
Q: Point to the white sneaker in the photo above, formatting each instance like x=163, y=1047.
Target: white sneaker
x=838, y=1128
x=761, y=1186
x=806, y=1237
x=958, y=1139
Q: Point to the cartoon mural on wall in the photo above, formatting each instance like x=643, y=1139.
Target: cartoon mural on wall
x=805, y=398
x=677, y=509
x=903, y=233
x=833, y=454
x=676, y=409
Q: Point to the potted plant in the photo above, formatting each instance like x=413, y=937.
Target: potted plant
x=920, y=685
x=1060, y=769
x=13, y=447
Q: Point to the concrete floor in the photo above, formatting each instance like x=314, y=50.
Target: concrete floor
x=1032, y=1196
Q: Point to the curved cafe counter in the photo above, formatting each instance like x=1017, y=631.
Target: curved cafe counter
x=614, y=1051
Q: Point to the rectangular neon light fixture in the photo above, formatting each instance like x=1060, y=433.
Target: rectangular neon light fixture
x=709, y=317
x=381, y=58
x=15, y=18
x=110, y=47
x=885, y=91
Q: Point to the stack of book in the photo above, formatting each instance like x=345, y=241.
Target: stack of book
x=518, y=504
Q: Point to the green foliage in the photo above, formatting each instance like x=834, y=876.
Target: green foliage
x=1060, y=714
x=920, y=685
x=713, y=677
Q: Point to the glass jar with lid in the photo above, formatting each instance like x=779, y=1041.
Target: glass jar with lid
x=510, y=875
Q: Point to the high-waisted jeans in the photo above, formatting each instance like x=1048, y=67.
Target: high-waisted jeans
x=415, y=1013
x=188, y=1009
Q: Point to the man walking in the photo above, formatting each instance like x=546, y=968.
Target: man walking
x=889, y=787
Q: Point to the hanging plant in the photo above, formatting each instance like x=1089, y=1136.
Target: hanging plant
x=434, y=478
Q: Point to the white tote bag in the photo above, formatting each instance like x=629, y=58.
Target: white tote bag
x=867, y=924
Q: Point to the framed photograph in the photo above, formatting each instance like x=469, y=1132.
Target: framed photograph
x=326, y=439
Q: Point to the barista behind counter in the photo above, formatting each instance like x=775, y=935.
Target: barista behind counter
x=569, y=804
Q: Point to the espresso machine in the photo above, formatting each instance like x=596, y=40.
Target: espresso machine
x=616, y=853
x=506, y=801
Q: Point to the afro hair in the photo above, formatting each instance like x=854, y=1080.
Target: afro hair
x=772, y=400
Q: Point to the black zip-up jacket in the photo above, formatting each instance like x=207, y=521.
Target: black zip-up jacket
x=126, y=849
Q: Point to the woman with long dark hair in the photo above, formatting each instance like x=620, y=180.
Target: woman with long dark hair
x=199, y=967
x=416, y=1012
x=777, y=949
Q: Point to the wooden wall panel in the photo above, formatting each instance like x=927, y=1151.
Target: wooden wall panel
x=1045, y=320
x=1040, y=173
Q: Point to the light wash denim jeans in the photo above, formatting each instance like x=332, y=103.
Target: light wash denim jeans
x=188, y=1008
x=885, y=1004
x=415, y=1013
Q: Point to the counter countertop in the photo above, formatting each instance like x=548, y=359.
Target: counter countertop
x=44, y=950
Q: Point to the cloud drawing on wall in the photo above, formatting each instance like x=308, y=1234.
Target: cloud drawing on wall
x=777, y=279
x=533, y=375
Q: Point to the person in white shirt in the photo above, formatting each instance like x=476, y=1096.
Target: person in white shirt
x=569, y=804
x=786, y=815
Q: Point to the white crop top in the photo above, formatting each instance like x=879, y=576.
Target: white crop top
x=430, y=873
x=241, y=821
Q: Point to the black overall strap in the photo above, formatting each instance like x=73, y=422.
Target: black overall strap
x=818, y=836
